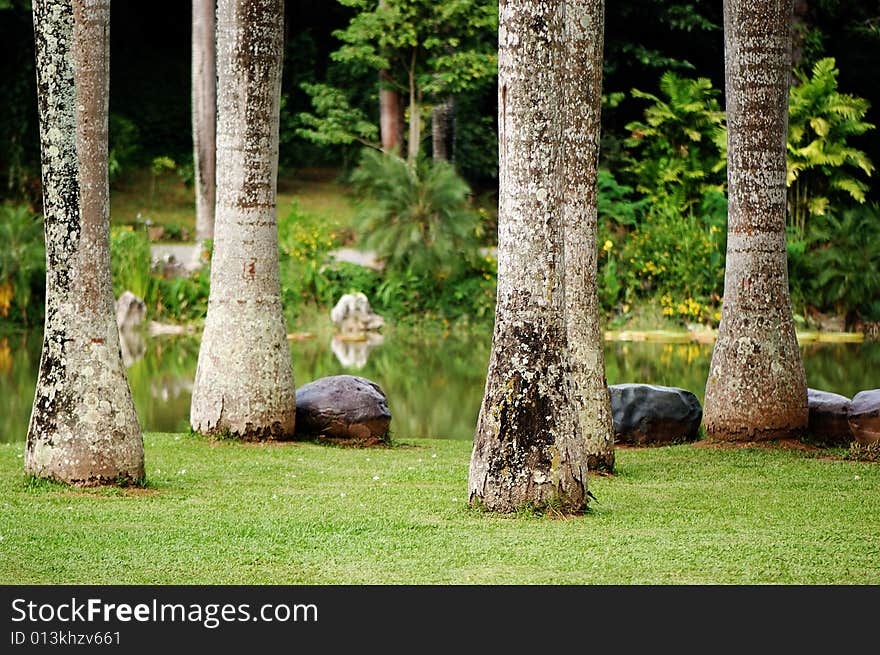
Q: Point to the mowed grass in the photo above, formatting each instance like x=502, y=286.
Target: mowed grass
x=303, y=513
x=166, y=200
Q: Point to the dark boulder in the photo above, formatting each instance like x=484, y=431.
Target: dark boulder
x=344, y=408
x=864, y=417
x=649, y=414
x=829, y=417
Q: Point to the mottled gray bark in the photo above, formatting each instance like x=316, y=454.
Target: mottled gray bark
x=528, y=447
x=584, y=32
x=83, y=429
x=756, y=387
x=204, y=114
x=441, y=130
x=244, y=378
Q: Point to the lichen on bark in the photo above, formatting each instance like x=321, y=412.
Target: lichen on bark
x=529, y=446
x=83, y=429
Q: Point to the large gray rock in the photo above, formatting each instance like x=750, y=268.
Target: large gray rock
x=829, y=417
x=650, y=414
x=343, y=407
x=352, y=315
x=864, y=417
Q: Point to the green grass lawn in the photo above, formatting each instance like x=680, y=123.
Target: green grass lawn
x=303, y=513
x=166, y=200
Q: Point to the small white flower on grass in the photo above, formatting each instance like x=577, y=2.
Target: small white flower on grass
x=409, y=468
x=274, y=496
x=455, y=500
x=342, y=494
x=384, y=484
x=434, y=456
x=299, y=459
x=375, y=477
x=856, y=477
x=368, y=459
x=158, y=471
x=19, y=455
x=181, y=472
x=177, y=438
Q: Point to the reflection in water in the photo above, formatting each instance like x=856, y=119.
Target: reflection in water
x=434, y=382
x=354, y=352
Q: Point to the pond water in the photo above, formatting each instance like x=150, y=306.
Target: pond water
x=434, y=381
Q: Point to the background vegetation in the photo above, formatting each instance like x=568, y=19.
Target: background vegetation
x=662, y=184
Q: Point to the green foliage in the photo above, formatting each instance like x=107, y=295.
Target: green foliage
x=124, y=137
x=334, y=120
x=417, y=216
x=304, y=241
x=679, y=150
x=674, y=259
x=821, y=163
x=22, y=264
x=180, y=299
x=131, y=263
x=842, y=268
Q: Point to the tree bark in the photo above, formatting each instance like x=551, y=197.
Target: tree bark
x=390, y=121
x=756, y=387
x=584, y=27
x=441, y=128
x=204, y=114
x=528, y=448
x=244, y=378
x=390, y=111
x=414, y=140
x=84, y=428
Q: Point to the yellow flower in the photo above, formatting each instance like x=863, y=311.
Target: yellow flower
x=608, y=245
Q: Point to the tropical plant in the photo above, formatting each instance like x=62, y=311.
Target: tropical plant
x=679, y=151
x=843, y=265
x=22, y=260
x=822, y=165
x=416, y=216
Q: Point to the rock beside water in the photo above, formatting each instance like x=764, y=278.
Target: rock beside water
x=864, y=417
x=829, y=417
x=344, y=408
x=649, y=414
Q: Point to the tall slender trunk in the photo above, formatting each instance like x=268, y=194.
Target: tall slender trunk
x=415, y=119
x=390, y=111
x=442, y=129
x=204, y=114
x=584, y=25
x=528, y=448
x=244, y=378
x=390, y=123
x=83, y=428
x=756, y=387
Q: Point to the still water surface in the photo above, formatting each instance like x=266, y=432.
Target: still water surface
x=434, y=381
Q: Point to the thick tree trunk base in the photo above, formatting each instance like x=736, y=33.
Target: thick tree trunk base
x=727, y=433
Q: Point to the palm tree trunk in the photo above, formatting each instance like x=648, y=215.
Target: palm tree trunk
x=441, y=128
x=756, y=387
x=204, y=114
x=584, y=26
x=244, y=377
x=83, y=429
x=528, y=449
